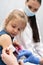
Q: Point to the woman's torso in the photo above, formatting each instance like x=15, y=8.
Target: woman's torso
x=26, y=40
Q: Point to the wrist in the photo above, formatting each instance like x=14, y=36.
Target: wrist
x=41, y=61
x=12, y=63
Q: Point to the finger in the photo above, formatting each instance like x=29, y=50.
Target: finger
x=3, y=56
x=21, y=51
x=26, y=60
x=6, y=51
x=21, y=54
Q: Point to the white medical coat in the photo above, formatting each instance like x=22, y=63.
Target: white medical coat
x=26, y=40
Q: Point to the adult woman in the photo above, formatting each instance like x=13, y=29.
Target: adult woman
x=30, y=38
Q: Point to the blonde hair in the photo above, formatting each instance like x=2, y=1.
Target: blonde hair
x=16, y=14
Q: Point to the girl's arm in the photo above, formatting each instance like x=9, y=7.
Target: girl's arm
x=5, y=40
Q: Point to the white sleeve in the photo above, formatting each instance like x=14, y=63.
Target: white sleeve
x=39, y=30
x=39, y=48
x=39, y=45
x=26, y=37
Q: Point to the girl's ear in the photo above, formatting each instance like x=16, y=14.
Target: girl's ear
x=27, y=0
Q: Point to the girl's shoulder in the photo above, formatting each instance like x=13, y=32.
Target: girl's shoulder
x=4, y=34
x=5, y=40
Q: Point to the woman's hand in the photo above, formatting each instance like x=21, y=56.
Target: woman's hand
x=29, y=57
x=8, y=57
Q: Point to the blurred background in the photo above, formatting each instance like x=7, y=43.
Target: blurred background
x=8, y=5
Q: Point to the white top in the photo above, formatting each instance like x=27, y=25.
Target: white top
x=26, y=40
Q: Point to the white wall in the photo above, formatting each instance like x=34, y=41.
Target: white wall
x=8, y=5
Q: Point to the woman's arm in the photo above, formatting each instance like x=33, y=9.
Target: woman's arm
x=30, y=57
x=10, y=59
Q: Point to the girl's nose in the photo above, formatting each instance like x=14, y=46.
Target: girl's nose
x=15, y=31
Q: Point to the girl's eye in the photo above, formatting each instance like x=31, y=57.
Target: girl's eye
x=13, y=26
x=18, y=29
x=29, y=7
x=35, y=9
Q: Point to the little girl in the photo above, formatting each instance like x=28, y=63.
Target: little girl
x=15, y=23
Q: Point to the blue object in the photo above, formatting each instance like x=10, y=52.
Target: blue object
x=1, y=50
x=1, y=62
x=32, y=59
x=25, y=53
x=28, y=11
x=29, y=57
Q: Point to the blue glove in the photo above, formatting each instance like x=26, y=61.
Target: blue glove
x=29, y=57
x=32, y=59
x=25, y=53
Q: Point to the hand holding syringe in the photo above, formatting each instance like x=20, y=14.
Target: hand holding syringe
x=15, y=50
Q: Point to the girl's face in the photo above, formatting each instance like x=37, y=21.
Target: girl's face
x=14, y=27
x=33, y=5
